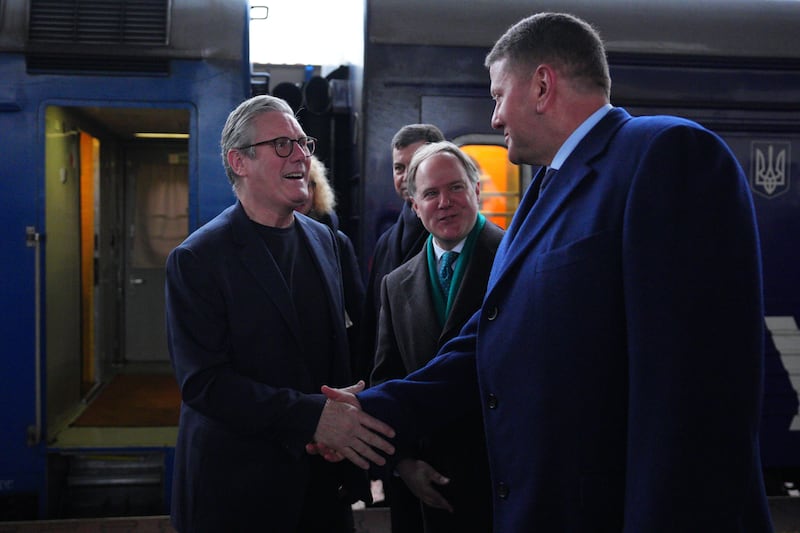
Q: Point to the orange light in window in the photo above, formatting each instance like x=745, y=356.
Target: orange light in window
x=500, y=182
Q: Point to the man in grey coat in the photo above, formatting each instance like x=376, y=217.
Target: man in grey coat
x=418, y=315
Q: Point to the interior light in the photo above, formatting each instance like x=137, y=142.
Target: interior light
x=156, y=135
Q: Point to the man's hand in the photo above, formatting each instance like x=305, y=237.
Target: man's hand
x=421, y=478
x=315, y=448
x=345, y=431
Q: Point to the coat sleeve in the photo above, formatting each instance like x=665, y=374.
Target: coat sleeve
x=692, y=287
x=444, y=389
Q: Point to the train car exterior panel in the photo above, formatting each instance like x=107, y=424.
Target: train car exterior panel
x=45, y=109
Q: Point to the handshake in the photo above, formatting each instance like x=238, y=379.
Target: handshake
x=344, y=431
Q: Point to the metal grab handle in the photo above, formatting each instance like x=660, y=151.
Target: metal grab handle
x=33, y=240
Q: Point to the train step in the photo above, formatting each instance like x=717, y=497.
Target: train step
x=107, y=485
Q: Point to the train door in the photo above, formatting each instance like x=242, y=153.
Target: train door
x=65, y=276
x=116, y=203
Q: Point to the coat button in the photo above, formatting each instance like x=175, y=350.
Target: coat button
x=492, y=314
x=502, y=491
x=492, y=401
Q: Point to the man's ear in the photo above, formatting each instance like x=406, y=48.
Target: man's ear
x=543, y=84
x=236, y=161
x=414, y=206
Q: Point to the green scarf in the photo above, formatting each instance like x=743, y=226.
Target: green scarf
x=443, y=308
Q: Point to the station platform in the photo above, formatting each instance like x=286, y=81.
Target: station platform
x=785, y=515
x=372, y=520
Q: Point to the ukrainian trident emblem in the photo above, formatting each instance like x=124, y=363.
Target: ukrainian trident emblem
x=771, y=161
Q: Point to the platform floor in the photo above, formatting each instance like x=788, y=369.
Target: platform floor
x=367, y=521
x=785, y=514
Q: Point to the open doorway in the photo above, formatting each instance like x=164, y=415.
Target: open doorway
x=115, y=205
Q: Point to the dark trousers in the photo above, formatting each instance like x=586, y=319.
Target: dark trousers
x=324, y=510
x=405, y=508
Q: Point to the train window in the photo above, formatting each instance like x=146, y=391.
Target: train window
x=501, y=182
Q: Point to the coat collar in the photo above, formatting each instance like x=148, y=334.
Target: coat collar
x=414, y=284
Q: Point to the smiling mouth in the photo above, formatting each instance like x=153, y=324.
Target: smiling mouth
x=295, y=176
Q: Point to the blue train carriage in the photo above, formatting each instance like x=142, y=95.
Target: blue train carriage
x=110, y=114
x=731, y=65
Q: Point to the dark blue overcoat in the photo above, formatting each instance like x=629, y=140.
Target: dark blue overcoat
x=242, y=365
x=618, y=352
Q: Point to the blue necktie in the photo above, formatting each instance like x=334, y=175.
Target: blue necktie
x=542, y=178
x=446, y=271
x=547, y=177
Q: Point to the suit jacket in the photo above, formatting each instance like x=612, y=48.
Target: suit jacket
x=618, y=352
x=394, y=247
x=241, y=363
x=409, y=335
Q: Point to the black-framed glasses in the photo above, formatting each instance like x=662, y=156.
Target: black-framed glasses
x=284, y=145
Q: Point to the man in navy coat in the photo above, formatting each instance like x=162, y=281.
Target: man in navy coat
x=249, y=350
x=617, y=355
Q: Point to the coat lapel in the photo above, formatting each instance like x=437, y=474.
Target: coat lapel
x=328, y=264
x=470, y=293
x=576, y=169
x=328, y=270
x=415, y=294
x=546, y=207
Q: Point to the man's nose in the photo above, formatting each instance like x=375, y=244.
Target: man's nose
x=298, y=152
x=496, y=122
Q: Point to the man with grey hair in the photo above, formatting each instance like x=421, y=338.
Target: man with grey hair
x=618, y=353
x=248, y=351
x=424, y=303
x=397, y=244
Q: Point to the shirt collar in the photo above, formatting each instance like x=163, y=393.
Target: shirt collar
x=578, y=135
x=440, y=251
